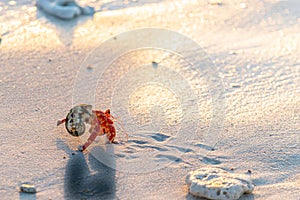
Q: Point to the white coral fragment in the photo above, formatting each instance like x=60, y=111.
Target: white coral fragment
x=218, y=184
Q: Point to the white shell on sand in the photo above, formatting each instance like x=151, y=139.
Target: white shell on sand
x=64, y=9
x=215, y=183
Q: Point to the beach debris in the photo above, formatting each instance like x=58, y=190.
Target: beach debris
x=232, y=52
x=102, y=123
x=243, y=5
x=89, y=68
x=218, y=184
x=27, y=188
x=215, y=2
x=5, y=33
x=12, y=3
x=235, y=85
x=154, y=64
x=64, y=9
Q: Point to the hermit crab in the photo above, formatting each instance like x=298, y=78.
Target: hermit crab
x=101, y=123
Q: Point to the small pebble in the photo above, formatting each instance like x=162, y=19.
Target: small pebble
x=243, y=5
x=64, y=157
x=215, y=2
x=154, y=64
x=73, y=153
x=232, y=52
x=5, y=33
x=235, y=85
x=49, y=60
x=89, y=68
x=12, y=3
x=249, y=171
x=27, y=188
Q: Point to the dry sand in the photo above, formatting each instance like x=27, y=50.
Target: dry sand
x=255, y=47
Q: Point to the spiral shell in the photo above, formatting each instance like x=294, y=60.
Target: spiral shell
x=76, y=119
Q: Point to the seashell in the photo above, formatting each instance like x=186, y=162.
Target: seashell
x=76, y=119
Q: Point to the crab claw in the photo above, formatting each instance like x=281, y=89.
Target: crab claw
x=59, y=122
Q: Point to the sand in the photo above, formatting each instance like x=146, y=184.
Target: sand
x=174, y=123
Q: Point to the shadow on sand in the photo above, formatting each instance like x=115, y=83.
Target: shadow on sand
x=64, y=29
x=90, y=179
x=25, y=196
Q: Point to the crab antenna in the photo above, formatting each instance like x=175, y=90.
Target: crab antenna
x=59, y=122
x=122, y=127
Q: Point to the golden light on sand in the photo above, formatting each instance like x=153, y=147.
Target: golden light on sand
x=147, y=100
x=254, y=46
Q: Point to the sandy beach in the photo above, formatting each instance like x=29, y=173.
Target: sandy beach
x=231, y=101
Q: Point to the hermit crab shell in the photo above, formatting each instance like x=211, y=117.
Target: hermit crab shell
x=76, y=119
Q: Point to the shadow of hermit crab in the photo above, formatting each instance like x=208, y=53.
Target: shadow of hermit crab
x=88, y=178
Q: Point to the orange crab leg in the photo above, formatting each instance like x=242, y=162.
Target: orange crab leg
x=111, y=134
x=59, y=122
x=111, y=119
x=96, y=130
x=90, y=140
